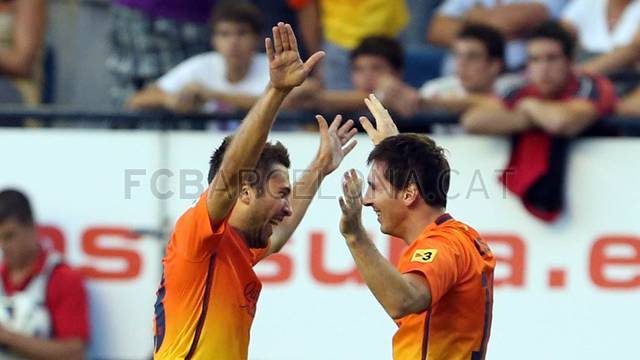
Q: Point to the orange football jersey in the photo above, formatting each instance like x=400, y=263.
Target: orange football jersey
x=458, y=267
x=207, y=297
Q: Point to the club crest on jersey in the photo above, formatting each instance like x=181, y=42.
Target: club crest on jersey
x=424, y=255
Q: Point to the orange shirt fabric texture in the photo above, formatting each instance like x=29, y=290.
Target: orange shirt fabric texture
x=458, y=267
x=207, y=297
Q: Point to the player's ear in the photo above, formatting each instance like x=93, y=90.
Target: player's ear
x=246, y=194
x=410, y=194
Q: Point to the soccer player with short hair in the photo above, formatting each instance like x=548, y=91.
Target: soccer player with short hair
x=208, y=293
x=441, y=293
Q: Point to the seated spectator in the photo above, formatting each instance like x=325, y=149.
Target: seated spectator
x=514, y=18
x=44, y=312
x=338, y=26
x=608, y=32
x=555, y=103
x=231, y=78
x=554, y=98
x=150, y=37
x=375, y=58
x=479, y=59
x=22, y=33
x=630, y=104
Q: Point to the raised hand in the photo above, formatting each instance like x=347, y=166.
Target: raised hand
x=285, y=66
x=351, y=206
x=333, y=142
x=385, y=127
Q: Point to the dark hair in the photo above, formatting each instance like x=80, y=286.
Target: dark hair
x=412, y=158
x=244, y=13
x=552, y=30
x=271, y=154
x=14, y=204
x=491, y=38
x=382, y=46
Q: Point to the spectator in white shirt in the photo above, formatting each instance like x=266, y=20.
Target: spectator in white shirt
x=608, y=33
x=231, y=78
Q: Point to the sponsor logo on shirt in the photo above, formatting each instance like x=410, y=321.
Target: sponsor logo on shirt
x=424, y=255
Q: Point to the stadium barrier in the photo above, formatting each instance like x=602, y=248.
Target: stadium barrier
x=568, y=290
x=52, y=116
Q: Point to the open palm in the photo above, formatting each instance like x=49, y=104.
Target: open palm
x=351, y=204
x=385, y=127
x=286, y=69
x=334, y=141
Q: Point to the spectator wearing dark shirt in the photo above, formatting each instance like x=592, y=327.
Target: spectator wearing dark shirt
x=553, y=98
x=554, y=104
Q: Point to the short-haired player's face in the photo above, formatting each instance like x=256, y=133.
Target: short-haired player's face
x=367, y=70
x=235, y=41
x=17, y=241
x=547, y=68
x=474, y=68
x=273, y=205
x=384, y=199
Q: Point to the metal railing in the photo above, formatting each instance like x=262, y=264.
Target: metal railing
x=52, y=116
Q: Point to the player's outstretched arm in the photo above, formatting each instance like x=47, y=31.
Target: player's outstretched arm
x=286, y=71
x=335, y=144
x=399, y=294
x=385, y=127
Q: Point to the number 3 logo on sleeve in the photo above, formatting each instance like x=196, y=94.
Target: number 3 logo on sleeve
x=424, y=255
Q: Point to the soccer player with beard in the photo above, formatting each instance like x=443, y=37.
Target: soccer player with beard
x=208, y=293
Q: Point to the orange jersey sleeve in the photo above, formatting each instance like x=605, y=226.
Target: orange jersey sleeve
x=195, y=237
x=437, y=261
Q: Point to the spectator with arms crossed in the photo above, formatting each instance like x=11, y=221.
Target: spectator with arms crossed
x=554, y=98
x=554, y=104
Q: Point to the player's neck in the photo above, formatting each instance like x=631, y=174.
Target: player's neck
x=418, y=220
x=245, y=227
x=237, y=71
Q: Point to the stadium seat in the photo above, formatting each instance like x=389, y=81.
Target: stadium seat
x=423, y=63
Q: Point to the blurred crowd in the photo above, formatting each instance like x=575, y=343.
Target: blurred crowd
x=488, y=61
